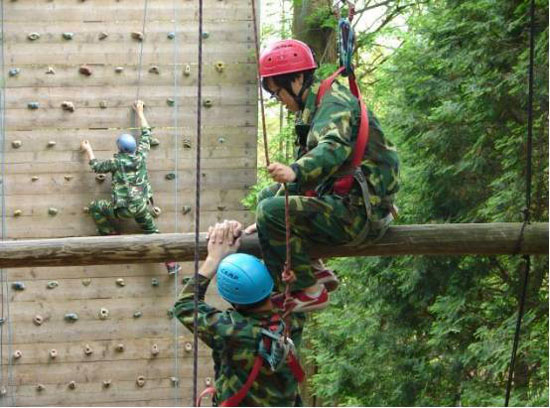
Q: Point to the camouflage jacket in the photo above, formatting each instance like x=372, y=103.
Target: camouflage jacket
x=130, y=181
x=326, y=136
x=234, y=338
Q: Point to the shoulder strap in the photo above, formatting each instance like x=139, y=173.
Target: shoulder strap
x=292, y=361
x=343, y=185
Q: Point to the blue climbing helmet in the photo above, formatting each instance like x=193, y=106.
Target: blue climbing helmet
x=243, y=279
x=126, y=143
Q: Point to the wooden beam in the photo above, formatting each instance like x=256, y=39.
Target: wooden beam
x=431, y=239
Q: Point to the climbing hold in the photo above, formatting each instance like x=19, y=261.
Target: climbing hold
x=17, y=354
x=33, y=36
x=53, y=353
x=17, y=213
x=52, y=284
x=207, y=103
x=53, y=211
x=220, y=66
x=68, y=177
x=186, y=143
x=16, y=144
x=85, y=70
x=175, y=381
x=3, y=392
x=188, y=347
x=140, y=381
x=40, y=387
x=187, y=70
x=18, y=286
x=102, y=35
x=38, y=320
x=34, y=178
x=52, y=143
x=137, y=315
x=221, y=140
x=170, y=101
x=154, y=70
x=88, y=350
x=221, y=207
x=170, y=176
x=170, y=313
x=14, y=72
x=103, y=313
x=106, y=383
x=103, y=104
x=120, y=282
x=137, y=35
x=186, y=209
x=50, y=71
x=156, y=212
x=68, y=106
x=100, y=178
x=72, y=385
x=171, y=35
x=155, y=282
x=33, y=105
x=205, y=34
x=120, y=347
x=86, y=282
x=208, y=381
x=68, y=36
x=155, y=350
x=86, y=210
x=154, y=142
x=71, y=317
x=118, y=70
x=1, y=321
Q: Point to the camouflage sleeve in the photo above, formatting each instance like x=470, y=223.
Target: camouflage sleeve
x=144, y=142
x=104, y=166
x=208, y=317
x=333, y=130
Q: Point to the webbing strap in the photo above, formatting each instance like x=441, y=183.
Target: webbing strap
x=344, y=184
x=236, y=399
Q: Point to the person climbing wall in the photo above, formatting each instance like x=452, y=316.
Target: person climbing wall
x=132, y=194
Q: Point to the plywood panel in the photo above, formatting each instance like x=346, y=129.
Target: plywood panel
x=64, y=181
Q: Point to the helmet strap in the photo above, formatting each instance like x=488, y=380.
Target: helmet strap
x=306, y=83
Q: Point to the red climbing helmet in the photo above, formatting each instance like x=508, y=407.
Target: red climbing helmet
x=284, y=57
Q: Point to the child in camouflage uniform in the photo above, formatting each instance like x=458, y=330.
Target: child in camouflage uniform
x=131, y=191
x=326, y=134
x=235, y=335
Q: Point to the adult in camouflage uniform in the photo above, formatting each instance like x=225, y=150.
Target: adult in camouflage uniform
x=326, y=136
x=234, y=335
x=131, y=190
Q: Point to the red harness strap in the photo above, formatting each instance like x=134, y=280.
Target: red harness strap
x=343, y=185
x=292, y=362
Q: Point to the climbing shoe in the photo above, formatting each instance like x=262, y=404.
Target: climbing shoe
x=172, y=267
x=324, y=276
x=301, y=302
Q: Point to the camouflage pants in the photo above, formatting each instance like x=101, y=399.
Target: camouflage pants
x=104, y=214
x=327, y=220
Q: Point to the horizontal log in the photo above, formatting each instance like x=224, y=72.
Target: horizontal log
x=431, y=239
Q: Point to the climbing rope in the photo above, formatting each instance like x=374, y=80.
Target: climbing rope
x=526, y=210
x=140, y=58
x=197, y=210
x=4, y=286
x=287, y=273
x=176, y=197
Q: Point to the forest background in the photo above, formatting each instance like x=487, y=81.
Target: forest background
x=449, y=82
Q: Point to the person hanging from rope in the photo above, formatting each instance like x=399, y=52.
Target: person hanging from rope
x=322, y=208
x=132, y=194
x=255, y=363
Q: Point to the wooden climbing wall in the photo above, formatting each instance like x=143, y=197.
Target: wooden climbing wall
x=123, y=333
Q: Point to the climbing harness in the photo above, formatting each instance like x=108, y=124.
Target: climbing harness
x=276, y=350
x=526, y=210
